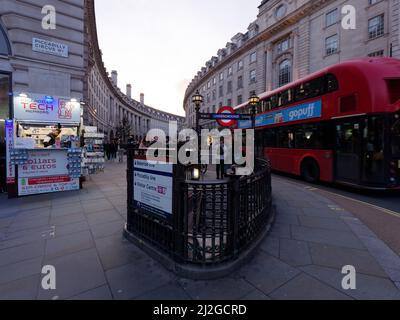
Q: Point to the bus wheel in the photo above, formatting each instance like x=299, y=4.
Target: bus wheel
x=310, y=170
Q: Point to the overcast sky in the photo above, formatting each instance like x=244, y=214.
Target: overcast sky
x=158, y=46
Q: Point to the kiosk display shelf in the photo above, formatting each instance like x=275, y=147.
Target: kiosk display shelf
x=93, y=161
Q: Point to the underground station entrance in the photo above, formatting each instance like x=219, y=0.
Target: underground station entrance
x=198, y=229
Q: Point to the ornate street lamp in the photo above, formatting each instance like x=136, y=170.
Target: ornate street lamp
x=254, y=101
x=197, y=100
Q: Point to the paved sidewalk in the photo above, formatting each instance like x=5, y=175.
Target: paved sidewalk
x=80, y=233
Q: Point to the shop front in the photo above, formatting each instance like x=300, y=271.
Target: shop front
x=5, y=102
x=43, y=145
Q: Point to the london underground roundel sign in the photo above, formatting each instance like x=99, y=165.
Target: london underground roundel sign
x=228, y=116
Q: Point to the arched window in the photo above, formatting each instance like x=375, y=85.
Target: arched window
x=284, y=72
x=4, y=44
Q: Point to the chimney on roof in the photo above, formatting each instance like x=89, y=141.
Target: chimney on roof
x=142, y=99
x=114, y=77
x=129, y=90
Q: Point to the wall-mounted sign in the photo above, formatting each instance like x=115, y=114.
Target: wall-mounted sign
x=24, y=143
x=9, y=147
x=153, y=185
x=41, y=108
x=44, y=163
x=50, y=47
x=301, y=112
x=38, y=185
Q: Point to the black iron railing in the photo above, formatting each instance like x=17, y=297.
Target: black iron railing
x=211, y=223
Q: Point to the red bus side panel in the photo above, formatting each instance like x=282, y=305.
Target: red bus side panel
x=290, y=160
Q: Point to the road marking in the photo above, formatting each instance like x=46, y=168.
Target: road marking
x=387, y=211
x=384, y=210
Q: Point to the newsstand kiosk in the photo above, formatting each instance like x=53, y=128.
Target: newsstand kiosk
x=44, y=153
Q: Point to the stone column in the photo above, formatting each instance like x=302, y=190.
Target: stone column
x=295, y=39
x=269, y=70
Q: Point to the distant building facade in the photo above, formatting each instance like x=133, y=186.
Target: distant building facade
x=106, y=106
x=288, y=41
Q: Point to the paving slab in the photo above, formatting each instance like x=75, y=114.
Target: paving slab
x=304, y=287
x=76, y=273
x=22, y=253
x=338, y=257
x=65, y=245
x=367, y=287
x=267, y=273
x=325, y=236
x=21, y=289
x=100, y=293
x=295, y=253
x=115, y=251
x=222, y=289
x=136, y=279
x=170, y=291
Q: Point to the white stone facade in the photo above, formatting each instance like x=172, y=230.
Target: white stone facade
x=291, y=39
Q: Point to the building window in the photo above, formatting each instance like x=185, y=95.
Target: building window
x=280, y=11
x=221, y=91
x=284, y=72
x=253, y=57
x=239, y=99
x=220, y=104
x=229, y=87
x=214, y=95
x=379, y=53
x=283, y=45
x=331, y=45
x=229, y=103
x=331, y=17
x=208, y=98
x=371, y=2
x=209, y=84
x=240, y=65
x=230, y=71
x=221, y=76
x=376, y=27
x=253, y=76
x=240, y=82
x=214, y=81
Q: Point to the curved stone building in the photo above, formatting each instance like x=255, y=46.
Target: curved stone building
x=289, y=40
x=64, y=60
x=106, y=106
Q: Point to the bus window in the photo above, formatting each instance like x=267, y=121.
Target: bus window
x=285, y=138
x=311, y=137
x=285, y=98
x=396, y=138
x=331, y=83
x=270, y=138
x=274, y=102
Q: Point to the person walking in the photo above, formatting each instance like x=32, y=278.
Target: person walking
x=120, y=154
x=221, y=165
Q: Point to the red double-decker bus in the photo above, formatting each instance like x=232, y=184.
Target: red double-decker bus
x=341, y=124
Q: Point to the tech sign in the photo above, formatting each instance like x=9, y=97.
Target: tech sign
x=44, y=108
